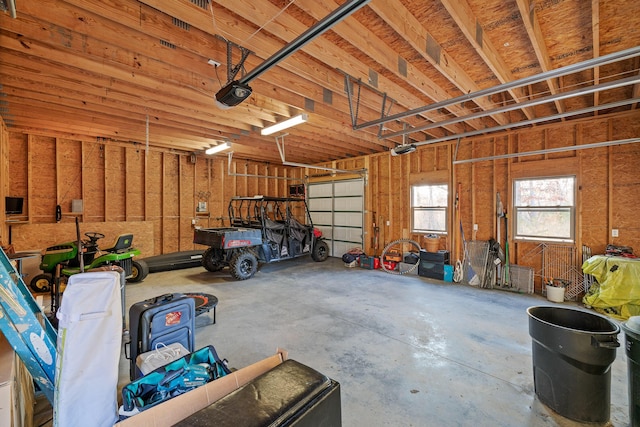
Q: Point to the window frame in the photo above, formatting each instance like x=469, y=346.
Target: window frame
x=571, y=209
x=444, y=209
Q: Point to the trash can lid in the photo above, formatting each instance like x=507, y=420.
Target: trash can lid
x=633, y=324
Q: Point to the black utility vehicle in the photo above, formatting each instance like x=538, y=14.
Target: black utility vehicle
x=262, y=229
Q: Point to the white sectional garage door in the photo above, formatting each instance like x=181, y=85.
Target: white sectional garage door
x=337, y=208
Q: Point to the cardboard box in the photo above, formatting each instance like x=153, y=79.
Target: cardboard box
x=180, y=407
x=17, y=394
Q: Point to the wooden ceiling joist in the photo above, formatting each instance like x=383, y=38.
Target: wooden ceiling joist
x=98, y=68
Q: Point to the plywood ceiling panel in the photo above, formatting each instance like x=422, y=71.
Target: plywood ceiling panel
x=100, y=69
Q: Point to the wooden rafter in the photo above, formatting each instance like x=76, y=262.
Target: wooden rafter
x=462, y=14
x=96, y=69
x=530, y=21
x=401, y=20
x=356, y=33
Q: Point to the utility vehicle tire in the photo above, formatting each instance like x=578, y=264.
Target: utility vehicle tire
x=243, y=265
x=41, y=283
x=320, y=251
x=211, y=261
x=139, y=271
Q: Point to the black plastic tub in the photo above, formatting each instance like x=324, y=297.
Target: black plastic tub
x=572, y=355
x=632, y=338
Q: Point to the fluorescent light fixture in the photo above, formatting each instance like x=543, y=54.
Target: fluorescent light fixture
x=218, y=148
x=295, y=120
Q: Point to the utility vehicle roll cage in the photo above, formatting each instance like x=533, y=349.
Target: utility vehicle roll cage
x=259, y=211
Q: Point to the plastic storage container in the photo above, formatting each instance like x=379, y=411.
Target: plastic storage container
x=369, y=262
x=432, y=244
x=631, y=330
x=572, y=355
x=555, y=294
x=448, y=273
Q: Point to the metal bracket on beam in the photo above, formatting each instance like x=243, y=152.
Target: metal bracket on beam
x=527, y=123
x=530, y=103
x=569, y=69
x=550, y=150
x=252, y=175
x=232, y=70
x=383, y=114
x=348, y=84
x=280, y=145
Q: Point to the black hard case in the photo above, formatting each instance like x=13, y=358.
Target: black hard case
x=437, y=257
x=166, y=319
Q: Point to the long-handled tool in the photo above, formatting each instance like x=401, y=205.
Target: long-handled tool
x=376, y=235
x=507, y=281
x=465, y=264
x=500, y=215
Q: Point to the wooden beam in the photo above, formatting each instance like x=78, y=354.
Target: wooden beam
x=531, y=24
x=286, y=28
x=462, y=14
x=404, y=22
x=377, y=49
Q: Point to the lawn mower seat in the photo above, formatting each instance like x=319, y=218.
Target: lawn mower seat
x=122, y=243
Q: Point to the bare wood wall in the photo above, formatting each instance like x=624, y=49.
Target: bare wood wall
x=4, y=179
x=124, y=183
x=608, y=183
x=156, y=192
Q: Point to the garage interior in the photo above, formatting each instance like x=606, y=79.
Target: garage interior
x=108, y=110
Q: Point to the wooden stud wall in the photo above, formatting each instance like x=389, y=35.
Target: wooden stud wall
x=125, y=184
x=608, y=184
x=4, y=178
x=125, y=188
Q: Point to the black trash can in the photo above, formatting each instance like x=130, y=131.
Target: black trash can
x=572, y=355
x=632, y=334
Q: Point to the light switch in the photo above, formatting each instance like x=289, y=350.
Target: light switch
x=614, y=232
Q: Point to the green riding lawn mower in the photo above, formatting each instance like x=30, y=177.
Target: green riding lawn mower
x=66, y=255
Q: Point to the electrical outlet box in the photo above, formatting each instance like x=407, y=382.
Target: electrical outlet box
x=475, y=227
x=388, y=223
x=614, y=232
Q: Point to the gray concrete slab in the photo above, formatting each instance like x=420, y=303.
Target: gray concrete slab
x=407, y=351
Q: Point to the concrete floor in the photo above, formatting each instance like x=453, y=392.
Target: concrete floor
x=407, y=351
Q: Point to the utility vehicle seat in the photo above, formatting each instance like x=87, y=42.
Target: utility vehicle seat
x=122, y=243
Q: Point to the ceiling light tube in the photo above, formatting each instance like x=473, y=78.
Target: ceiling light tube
x=293, y=121
x=218, y=148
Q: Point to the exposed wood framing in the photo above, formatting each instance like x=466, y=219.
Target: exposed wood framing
x=532, y=26
x=464, y=17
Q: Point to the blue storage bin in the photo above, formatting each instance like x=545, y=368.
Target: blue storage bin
x=448, y=273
